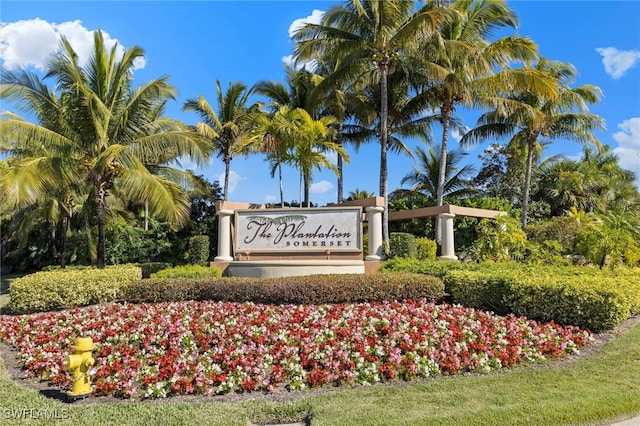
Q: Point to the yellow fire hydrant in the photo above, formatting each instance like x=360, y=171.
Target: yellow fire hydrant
x=79, y=364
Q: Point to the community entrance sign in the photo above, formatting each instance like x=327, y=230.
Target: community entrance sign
x=256, y=241
x=301, y=230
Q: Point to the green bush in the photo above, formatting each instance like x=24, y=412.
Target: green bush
x=199, y=250
x=499, y=240
x=437, y=268
x=68, y=288
x=312, y=289
x=152, y=267
x=571, y=295
x=426, y=248
x=402, y=244
x=562, y=229
x=189, y=271
x=586, y=297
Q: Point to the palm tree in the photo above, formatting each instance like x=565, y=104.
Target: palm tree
x=370, y=37
x=532, y=115
x=314, y=139
x=359, y=194
x=463, y=68
x=275, y=134
x=109, y=132
x=229, y=128
x=593, y=184
x=425, y=176
x=333, y=100
x=296, y=93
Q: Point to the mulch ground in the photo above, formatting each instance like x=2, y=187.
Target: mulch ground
x=8, y=358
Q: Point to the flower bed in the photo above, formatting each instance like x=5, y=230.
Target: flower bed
x=163, y=349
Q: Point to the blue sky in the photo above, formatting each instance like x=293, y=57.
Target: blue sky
x=197, y=42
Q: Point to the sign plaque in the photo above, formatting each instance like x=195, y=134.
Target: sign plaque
x=337, y=229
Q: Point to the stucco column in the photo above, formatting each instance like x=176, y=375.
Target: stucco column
x=224, y=236
x=446, y=229
x=374, y=217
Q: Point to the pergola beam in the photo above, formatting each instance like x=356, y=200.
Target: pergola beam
x=437, y=210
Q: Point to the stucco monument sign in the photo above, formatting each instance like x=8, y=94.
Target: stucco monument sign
x=333, y=230
x=255, y=241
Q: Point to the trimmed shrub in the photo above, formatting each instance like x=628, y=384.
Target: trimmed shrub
x=584, y=296
x=69, y=288
x=437, y=268
x=312, y=289
x=152, y=267
x=199, y=250
x=189, y=271
x=588, y=298
x=402, y=244
x=426, y=248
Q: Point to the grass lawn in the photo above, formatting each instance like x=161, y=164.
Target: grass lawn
x=604, y=386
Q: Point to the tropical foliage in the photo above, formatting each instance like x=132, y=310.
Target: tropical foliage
x=228, y=129
x=531, y=115
x=99, y=139
x=92, y=156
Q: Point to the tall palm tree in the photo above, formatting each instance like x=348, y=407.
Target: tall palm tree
x=109, y=132
x=532, y=115
x=424, y=177
x=332, y=100
x=229, y=128
x=464, y=68
x=370, y=36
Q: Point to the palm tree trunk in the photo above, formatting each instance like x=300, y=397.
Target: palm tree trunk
x=300, y=190
x=307, y=182
x=52, y=241
x=384, y=113
x=527, y=180
x=146, y=215
x=339, y=165
x=102, y=224
x=63, y=240
x=281, y=190
x=445, y=117
x=227, y=170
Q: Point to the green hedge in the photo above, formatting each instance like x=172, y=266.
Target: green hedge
x=586, y=297
x=67, y=288
x=437, y=268
x=199, y=250
x=312, y=289
x=189, y=271
x=426, y=249
x=402, y=244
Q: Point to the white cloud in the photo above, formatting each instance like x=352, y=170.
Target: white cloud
x=270, y=198
x=32, y=42
x=234, y=180
x=628, y=150
x=618, y=62
x=321, y=187
x=314, y=18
